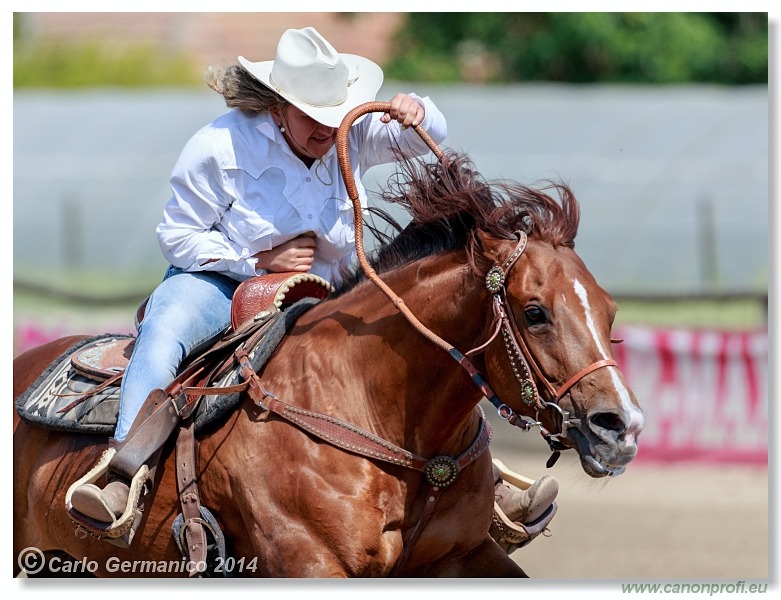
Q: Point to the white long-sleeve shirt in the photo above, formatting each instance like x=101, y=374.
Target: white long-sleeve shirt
x=238, y=190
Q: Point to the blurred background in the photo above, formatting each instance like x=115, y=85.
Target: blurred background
x=658, y=122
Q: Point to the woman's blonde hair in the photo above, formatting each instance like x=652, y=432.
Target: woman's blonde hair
x=241, y=90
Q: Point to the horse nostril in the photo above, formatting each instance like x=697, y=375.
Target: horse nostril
x=608, y=420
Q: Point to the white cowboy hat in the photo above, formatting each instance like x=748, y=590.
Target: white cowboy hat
x=312, y=76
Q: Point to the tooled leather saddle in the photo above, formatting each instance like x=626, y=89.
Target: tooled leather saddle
x=266, y=292
x=254, y=299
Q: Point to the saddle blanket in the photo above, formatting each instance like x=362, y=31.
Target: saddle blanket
x=52, y=401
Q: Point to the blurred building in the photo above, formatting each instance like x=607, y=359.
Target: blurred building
x=216, y=37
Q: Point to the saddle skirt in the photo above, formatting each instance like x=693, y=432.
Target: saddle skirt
x=46, y=401
x=79, y=391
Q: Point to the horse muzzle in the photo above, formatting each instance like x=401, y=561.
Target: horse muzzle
x=604, y=443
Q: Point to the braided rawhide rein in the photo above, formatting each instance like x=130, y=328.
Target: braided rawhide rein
x=342, y=150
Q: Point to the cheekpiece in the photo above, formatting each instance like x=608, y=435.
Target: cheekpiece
x=494, y=279
x=441, y=471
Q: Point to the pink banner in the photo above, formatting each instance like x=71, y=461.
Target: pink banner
x=704, y=393
x=29, y=334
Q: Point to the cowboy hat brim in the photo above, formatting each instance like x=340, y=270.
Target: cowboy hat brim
x=366, y=78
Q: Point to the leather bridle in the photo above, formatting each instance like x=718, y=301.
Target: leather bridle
x=522, y=360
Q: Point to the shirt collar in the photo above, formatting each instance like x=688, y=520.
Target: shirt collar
x=266, y=125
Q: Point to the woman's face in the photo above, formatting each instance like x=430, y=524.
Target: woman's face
x=308, y=139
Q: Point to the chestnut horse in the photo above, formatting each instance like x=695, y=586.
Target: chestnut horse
x=291, y=505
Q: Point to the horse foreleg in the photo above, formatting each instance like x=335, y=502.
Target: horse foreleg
x=486, y=560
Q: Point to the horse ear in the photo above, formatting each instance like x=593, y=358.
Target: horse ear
x=527, y=224
x=494, y=249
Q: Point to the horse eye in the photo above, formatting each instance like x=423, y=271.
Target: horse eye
x=535, y=316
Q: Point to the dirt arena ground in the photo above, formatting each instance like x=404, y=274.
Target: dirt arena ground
x=656, y=522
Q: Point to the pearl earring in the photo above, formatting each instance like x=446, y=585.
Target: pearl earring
x=281, y=128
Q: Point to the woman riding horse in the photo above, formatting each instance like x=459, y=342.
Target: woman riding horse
x=259, y=191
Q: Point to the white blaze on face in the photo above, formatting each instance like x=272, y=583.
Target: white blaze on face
x=634, y=418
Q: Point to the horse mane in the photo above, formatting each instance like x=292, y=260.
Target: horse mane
x=449, y=201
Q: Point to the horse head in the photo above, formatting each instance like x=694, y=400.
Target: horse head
x=554, y=361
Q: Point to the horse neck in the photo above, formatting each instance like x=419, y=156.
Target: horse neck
x=430, y=405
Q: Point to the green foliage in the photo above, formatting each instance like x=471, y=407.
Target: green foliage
x=72, y=65
x=704, y=313
x=728, y=48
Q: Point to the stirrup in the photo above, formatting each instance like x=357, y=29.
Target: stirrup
x=122, y=526
x=511, y=477
x=508, y=534
x=511, y=535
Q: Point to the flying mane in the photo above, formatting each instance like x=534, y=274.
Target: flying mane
x=449, y=201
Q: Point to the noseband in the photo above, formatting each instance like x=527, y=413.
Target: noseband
x=521, y=359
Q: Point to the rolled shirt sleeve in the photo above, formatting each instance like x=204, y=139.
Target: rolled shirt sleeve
x=381, y=142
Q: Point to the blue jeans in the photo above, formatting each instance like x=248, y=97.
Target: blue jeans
x=186, y=312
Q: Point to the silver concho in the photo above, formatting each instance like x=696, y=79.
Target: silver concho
x=441, y=471
x=528, y=392
x=494, y=279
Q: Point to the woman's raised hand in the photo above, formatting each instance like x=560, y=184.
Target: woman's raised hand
x=406, y=110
